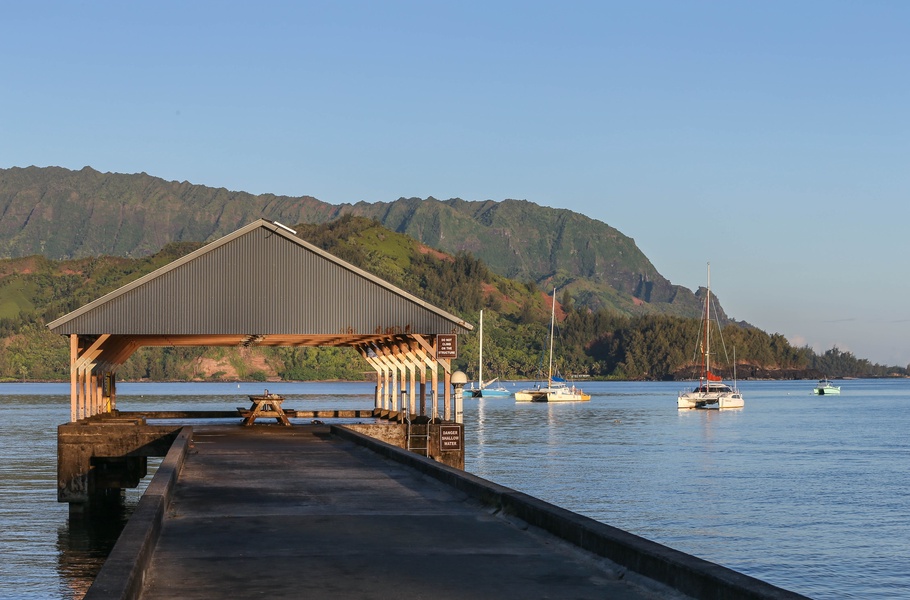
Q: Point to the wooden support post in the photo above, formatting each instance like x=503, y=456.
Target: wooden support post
x=386, y=380
x=412, y=388
x=74, y=377
x=387, y=387
x=427, y=349
x=382, y=376
x=423, y=390
x=82, y=397
x=393, y=397
x=90, y=400
x=447, y=382
x=377, y=366
x=87, y=364
x=111, y=384
x=421, y=362
x=96, y=392
x=382, y=380
x=404, y=388
x=406, y=358
x=435, y=383
x=414, y=364
x=401, y=365
x=386, y=383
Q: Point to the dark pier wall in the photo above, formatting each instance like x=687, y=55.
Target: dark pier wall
x=124, y=572
x=98, y=455
x=101, y=455
x=443, y=442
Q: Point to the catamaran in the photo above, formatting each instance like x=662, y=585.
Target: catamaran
x=711, y=391
x=557, y=389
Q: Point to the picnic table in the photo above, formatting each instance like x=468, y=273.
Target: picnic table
x=266, y=405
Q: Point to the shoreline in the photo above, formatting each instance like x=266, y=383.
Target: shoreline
x=584, y=380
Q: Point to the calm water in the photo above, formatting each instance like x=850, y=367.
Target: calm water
x=804, y=492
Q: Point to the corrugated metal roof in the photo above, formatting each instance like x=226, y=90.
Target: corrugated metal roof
x=260, y=280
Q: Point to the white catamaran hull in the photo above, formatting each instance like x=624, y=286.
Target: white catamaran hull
x=559, y=393
x=566, y=394
x=526, y=395
x=695, y=400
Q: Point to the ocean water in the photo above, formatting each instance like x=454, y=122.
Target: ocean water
x=809, y=493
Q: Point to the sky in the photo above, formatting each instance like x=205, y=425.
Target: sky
x=771, y=139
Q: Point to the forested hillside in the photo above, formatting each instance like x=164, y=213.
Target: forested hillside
x=601, y=343
x=137, y=215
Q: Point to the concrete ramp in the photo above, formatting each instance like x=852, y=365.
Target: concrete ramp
x=319, y=512
x=297, y=513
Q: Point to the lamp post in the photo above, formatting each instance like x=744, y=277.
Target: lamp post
x=459, y=379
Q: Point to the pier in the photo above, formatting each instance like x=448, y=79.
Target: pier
x=324, y=511
x=259, y=503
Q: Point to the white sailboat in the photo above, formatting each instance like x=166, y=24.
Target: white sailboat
x=556, y=390
x=484, y=389
x=711, y=391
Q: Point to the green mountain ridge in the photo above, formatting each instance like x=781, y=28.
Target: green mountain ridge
x=35, y=290
x=136, y=215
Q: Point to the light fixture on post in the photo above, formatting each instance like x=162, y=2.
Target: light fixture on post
x=459, y=379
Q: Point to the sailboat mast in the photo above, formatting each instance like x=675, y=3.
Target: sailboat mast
x=480, y=354
x=708, y=328
x=552, y=321
x=734, y=367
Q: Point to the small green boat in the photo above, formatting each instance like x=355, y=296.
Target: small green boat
x=824, y=388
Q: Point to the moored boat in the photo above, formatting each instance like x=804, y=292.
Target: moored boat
x=556, y=390
x=535, y=394
x=824, y=388
x=487, y=390
x=484, y=389
x=713, y=394
x=563, y=392
x=711, y=391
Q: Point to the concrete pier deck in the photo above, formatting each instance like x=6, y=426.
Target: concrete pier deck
x=301, y=512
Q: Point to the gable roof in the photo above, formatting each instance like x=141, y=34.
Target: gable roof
x=260, y=283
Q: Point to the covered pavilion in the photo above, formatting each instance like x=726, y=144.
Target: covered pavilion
x=264, y=286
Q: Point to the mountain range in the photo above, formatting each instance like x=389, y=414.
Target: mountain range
x=64, y=214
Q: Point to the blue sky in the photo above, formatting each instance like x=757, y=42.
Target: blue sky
x=769, y=138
